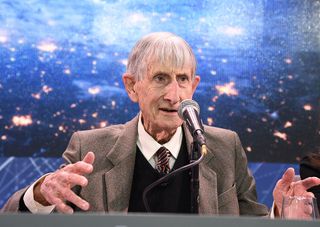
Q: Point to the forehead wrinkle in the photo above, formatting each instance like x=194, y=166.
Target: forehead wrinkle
x=166, y=67
x=170, y=71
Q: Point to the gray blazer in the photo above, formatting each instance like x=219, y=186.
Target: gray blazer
x=226, y=185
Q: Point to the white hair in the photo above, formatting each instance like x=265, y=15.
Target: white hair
x=164, y=48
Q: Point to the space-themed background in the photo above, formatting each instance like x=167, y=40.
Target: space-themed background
x=61, y=64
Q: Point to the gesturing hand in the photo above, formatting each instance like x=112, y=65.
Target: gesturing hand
x=286, y=186
x=55, y=189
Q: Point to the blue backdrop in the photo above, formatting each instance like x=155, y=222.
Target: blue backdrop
x=61, y=64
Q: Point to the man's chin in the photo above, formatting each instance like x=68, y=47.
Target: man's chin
x=171, y=126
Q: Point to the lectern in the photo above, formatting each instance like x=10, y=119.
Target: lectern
x=137, y=220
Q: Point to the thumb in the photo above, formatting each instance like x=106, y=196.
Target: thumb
x=89, y=158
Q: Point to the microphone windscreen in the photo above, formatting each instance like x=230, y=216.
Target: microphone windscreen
x=188, y=103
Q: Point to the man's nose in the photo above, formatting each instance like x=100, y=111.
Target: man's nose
x=172, y=93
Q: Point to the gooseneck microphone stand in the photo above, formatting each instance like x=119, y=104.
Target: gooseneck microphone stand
x=194, y=180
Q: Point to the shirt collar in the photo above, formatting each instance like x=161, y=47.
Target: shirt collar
x=149, y=146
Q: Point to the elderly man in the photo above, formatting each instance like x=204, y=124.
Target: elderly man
x=107, y=169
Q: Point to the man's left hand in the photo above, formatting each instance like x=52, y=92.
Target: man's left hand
x=286, y=186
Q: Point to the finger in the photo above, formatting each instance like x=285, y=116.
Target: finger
x=89, y=158
x=70, y=196
x=62, y=207
x=308, y=209
x=62, y=194
x=309, y=194
x=283, y=185
x=70, y=179
x=310, y=182
x=79, y=167
x=309, y=205
x=288, y=176
x=55, y=198
x=82, y=167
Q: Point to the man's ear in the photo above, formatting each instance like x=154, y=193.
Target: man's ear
x=129, y=81
x=195, y=83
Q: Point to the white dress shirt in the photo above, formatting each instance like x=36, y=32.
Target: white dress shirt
x=33, y=205
x=149, y=146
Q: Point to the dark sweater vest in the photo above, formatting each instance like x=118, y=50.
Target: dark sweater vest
x=169, y=197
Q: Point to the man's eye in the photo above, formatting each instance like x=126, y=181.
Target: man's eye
x=183, y=79
x=159, y=78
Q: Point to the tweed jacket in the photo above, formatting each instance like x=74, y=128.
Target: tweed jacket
x=226, y=185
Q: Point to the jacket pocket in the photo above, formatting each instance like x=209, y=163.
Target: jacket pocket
x=228, y=202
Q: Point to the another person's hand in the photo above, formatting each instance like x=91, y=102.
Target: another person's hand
x=286, y=186
x=55, y=188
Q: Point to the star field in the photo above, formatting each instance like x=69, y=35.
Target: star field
x=61, y=66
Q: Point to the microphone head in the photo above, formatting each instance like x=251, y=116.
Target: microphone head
x=187, y=103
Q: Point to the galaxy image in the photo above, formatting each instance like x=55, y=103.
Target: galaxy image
x=61, y=64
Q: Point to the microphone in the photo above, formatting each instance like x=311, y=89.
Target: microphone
x=189, y=112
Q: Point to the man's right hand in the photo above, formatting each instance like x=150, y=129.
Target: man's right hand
x=55, y=189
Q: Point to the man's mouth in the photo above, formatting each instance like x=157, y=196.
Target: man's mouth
x=168, y=110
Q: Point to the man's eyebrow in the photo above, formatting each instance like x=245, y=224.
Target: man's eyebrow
x=167, y=73
x=160, y=72
x=182, y=74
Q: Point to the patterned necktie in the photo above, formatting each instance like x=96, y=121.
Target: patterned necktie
x=163, y=156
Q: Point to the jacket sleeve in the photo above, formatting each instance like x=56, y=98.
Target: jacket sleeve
x=245, y=184
x=14, y=202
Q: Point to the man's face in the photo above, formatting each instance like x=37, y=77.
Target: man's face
x=159, y=95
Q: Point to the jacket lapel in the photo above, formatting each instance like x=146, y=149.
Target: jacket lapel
x=119, y=178
x=208, y=195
